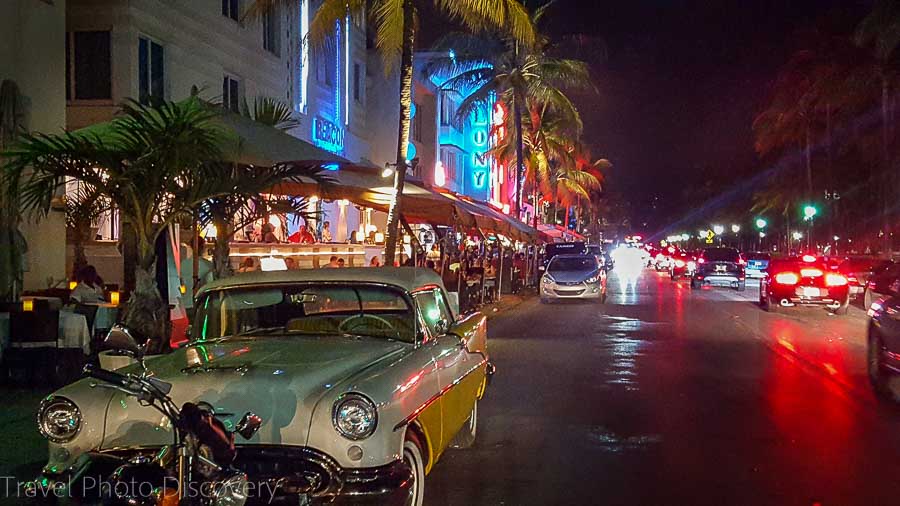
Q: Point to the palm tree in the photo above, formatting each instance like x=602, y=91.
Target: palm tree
x=270, y=111
x=395, y=23
x=878, y=76
x=83, y=207
x=148, y=163
x=522, y=76
x=12, y=114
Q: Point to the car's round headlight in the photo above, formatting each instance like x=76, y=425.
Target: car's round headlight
x=592, y=279
x=59, y=419
x=354, y=416
x=548, y=279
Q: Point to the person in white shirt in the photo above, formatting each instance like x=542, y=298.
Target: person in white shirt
x=89, y=287
x=326, y=232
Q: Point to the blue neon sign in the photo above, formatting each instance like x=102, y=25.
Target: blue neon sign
x=327, y=135
x=479, y=178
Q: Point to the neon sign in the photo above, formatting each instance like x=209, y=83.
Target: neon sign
x=479, y=137
x=480, y=159
x=440, y=175
x=327, y=135
x=479, y=178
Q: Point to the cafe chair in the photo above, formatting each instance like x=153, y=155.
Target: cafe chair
x=34, y=343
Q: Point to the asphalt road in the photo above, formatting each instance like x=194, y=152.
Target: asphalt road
x=671, y=396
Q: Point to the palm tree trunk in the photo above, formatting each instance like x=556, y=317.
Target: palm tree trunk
x=517, y=111
x=406, y=81
x=147, y=314
x=536, y=205
x=807, y=151
x=222, y=249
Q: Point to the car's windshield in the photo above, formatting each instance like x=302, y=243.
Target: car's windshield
x=562, y=264
x=303, y=309
x=720, y=255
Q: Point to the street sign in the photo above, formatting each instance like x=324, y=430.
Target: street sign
x=710, y=235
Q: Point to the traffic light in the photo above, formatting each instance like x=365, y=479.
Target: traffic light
x=809, y=212
x=761, y=223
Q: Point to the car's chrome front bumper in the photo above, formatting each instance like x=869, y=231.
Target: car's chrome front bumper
x=573, y=291
x=288, y=474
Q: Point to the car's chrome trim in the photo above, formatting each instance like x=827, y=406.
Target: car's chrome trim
x=412, y=416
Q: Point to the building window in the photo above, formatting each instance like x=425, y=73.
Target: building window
x=270, y=31
x=88, y=66
x=151, y=71
x=357, y=83
x=448, y=159
x=231, y=9
x=448, y=109
x=231, y=94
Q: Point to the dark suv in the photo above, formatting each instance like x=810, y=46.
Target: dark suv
x=720, y=266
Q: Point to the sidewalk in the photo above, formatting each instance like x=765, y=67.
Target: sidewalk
x=507, y=302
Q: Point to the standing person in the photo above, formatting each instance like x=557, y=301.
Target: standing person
x=90, y=286
x=434, y=254
x=332, y=263
x=268, y=233
x=302, y=236
x=326, y=232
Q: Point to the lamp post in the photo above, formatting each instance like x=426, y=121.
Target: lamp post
x=809, y=214
x=761, y=226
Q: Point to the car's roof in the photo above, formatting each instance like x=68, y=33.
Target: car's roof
x=407, y=278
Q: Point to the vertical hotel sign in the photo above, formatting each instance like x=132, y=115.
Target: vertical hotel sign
x=480, y=158
x=327, y=135
x=498, y=133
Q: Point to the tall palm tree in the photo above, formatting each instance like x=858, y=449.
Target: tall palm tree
x=148, y=163
x=83, y=207
x=396, y=24
x=523, y=76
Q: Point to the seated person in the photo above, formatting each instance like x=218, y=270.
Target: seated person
x=89, y=288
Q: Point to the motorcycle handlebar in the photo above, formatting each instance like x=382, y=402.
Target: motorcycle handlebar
x=110, y=377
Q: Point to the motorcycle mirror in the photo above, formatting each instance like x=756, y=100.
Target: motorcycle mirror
x=121, y=340
x=249, y=425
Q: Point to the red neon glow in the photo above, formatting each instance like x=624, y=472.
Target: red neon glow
x=409, y=384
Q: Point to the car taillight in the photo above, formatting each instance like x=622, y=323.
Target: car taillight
x=701, y=261
x=832, y=279
x=787, y=278
x=810, y=273
x=852, y=279
x=679, y=263
x=809, y=258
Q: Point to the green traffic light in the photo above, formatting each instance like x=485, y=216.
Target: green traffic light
x=761, y=223
x=809, y=212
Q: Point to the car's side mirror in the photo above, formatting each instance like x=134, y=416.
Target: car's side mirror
x=249, y=425
x=120, y=339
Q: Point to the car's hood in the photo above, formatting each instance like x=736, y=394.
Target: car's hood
x=279, y=379
x=571, y=276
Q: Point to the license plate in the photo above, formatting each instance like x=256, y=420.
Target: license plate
x=810, y=291
x=720, y=268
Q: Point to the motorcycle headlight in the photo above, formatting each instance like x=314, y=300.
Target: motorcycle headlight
x=232, y=491
x=59, y=419
x=354, y=416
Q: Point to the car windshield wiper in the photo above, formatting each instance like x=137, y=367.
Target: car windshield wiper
x=260, y=331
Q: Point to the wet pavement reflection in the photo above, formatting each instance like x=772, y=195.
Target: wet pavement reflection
x=667, y=395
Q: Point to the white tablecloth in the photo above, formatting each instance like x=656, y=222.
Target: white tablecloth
x=73, y=332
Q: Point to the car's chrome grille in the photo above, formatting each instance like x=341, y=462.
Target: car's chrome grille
x=570, y=293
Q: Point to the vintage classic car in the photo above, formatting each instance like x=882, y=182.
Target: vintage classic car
x=362, y=377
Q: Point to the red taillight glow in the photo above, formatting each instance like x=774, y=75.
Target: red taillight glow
x=741, y=261
x=809, y=258
x=811, y=273
x=832, y=279
x=679, y=263
x=787, y=278
x=701, y=261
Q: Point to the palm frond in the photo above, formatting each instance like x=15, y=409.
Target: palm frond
x=272, y=112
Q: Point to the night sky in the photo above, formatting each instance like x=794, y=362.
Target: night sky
x=680, y=86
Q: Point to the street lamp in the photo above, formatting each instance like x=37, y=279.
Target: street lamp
x=718, y=229
x=809, y=212
x=735, y=228
x=797, y=236
x=761, y=223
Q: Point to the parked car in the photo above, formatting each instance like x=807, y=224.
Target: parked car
x=882, y=283
x=757, y=263
x=683, y=264
x=883, y=345
x=858, y=270
x=720, y=266
x=803, y=281
x=573, y=277
x=362, y=377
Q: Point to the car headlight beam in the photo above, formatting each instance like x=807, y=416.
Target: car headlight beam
x=354, y=416
x=59, y=419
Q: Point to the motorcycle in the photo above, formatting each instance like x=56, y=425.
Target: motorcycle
x=196, y=470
